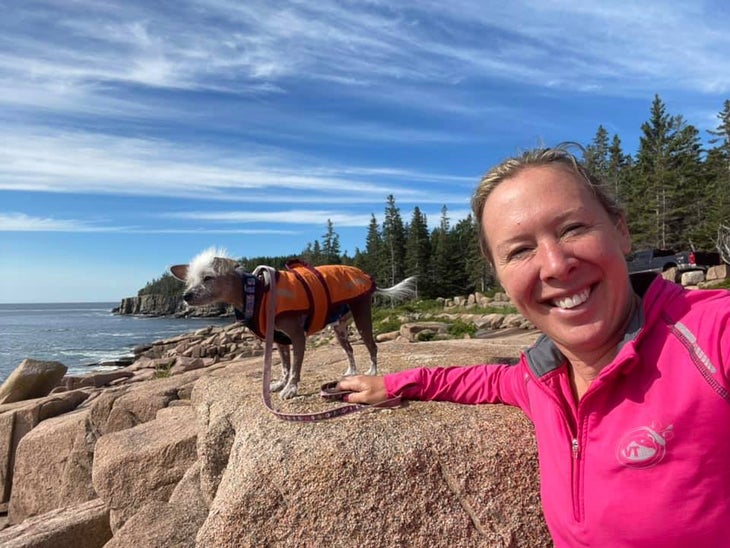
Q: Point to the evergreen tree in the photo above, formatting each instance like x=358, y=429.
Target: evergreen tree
x=478, y=272
x=721, y=134
x=617, y=174
x=442, y=259
x=393, y=243
x=596, y=155
x=331, y=245
x=667, y=168
x=418, y=250
x=717, y=166
x=370, y=259
x=463, y=238
x=689, y=223
x=315, y=257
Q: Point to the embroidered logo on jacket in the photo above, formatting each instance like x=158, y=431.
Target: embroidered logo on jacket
x=644, y=447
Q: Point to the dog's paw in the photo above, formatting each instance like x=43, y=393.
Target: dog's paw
x=350, y=372
x=275, y=386
x=289, y=391
x=373, y=370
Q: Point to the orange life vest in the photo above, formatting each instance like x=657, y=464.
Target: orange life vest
x=320, y=293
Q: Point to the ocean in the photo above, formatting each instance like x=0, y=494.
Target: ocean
x=82, y=336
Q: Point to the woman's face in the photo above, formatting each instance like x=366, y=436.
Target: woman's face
x=560, y=258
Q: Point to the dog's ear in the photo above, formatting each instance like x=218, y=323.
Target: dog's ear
x=180, y=271
x=223, y=265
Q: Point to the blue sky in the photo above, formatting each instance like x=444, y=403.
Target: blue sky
x=135, y=134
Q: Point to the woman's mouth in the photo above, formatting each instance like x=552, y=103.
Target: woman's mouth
x=571, y=301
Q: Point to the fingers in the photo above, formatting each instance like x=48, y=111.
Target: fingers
x=365, y=389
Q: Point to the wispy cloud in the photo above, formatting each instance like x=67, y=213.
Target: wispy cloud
x=103, y=164
x=313, y=217
x=390, y=53
x=20, y=222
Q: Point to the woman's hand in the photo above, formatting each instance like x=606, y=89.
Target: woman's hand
x=365, y=389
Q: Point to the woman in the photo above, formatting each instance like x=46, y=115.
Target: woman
x=629, y=385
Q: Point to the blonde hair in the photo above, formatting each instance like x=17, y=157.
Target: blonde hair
x=558, y=156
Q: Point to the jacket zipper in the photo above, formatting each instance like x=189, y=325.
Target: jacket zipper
x=575, y=451
x=576, y=479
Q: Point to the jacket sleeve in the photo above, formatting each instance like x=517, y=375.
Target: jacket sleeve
x=489, y=383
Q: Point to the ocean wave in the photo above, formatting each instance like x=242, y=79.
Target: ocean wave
x=88, y=357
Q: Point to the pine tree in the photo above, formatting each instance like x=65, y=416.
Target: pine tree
x=717, y=166
x=596, y=155
x=370, y=259
x=393, y=242
x=721, y=134
x=418, y=250
x=667, y=168
x=331, y=245
x=619, y=165
x=442, y=258
x=463, y=238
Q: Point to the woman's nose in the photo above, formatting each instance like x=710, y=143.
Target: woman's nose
x=555, y=261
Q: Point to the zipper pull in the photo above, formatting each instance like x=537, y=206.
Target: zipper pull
x=574, y=445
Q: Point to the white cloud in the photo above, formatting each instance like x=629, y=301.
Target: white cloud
x=311, y=217
x=391, y=52
x=20, y=222
x=104, y=164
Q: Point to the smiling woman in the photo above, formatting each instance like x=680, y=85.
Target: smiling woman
x=628, y=386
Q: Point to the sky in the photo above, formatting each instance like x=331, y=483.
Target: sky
x=135, y=134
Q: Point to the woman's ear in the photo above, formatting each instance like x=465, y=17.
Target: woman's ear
x=625, y=236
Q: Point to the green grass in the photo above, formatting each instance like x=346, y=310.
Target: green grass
x=725, y=284
x=387, y=318
x=164, y=371
x=459, y=328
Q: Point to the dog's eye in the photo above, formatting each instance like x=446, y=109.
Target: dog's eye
x=207, y=278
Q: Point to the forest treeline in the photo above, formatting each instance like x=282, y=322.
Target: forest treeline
x=676, y=194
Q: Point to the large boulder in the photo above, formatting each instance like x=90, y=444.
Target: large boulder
x=144, y=464
x=718, y=272
x=83, y=526
x=53, y=467
x=130, y=405
x=433, y=474
x=31, y=379
x=19, y=418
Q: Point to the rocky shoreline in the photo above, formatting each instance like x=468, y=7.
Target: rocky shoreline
x=156, y=452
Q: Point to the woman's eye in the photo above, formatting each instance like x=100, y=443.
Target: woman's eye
x=573, y=228
x=518, y=253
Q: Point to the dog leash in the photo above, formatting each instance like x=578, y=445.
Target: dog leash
x=328, y=391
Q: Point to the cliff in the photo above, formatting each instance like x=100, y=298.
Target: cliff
x=160, y=305
x=178, y=450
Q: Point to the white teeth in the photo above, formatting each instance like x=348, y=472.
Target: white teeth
x=572, y=302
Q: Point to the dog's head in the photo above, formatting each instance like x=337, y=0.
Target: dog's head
x=210, y=277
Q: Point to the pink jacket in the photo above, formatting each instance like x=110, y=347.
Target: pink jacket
x=644, y=458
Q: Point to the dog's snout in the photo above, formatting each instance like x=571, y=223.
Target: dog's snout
x=188, y=296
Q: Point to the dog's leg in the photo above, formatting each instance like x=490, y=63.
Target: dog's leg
x=292, y=326
x=343, y=337
x=361, y=309
x=285, y=357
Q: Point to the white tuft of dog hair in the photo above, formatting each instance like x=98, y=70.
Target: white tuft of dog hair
x=205, y=264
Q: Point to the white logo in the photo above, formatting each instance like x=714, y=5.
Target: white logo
x=644, y=447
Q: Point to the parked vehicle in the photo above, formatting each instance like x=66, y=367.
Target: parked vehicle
x=661, y=260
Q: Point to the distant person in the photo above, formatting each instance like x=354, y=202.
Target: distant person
x=629, y=385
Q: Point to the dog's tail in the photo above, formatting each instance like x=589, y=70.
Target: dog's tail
x=402, y=290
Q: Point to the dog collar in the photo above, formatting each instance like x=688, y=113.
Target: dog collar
x=248, y=288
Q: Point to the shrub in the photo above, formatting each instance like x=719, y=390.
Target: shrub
x=460, y=328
